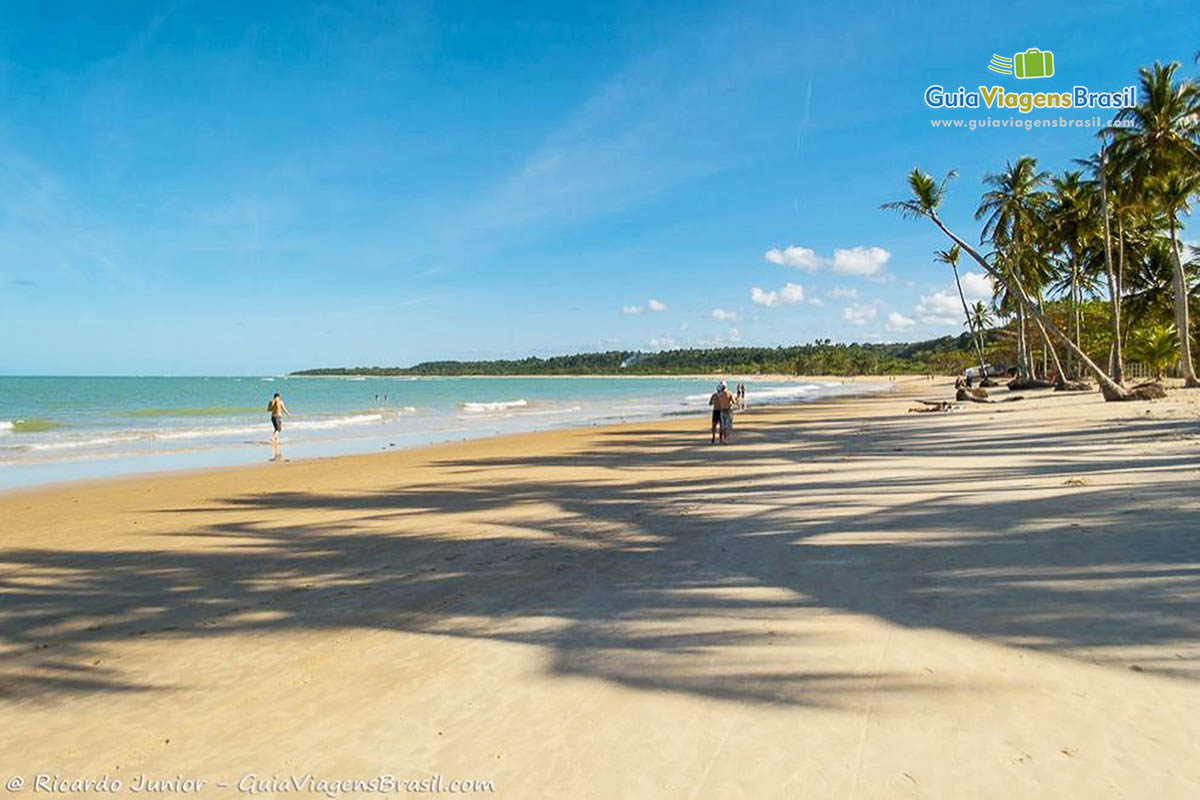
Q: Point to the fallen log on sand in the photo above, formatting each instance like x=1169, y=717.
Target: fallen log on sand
x=1143, y=391
x=933, y=406
x=1017, y=384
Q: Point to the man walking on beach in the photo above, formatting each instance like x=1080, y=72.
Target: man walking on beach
x=722, y=415
x=277, y=409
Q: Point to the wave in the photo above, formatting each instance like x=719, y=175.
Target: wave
x=195, y=411
x=33, y=425
x=497, y=405
x=75, y=444
x=773, y=395
x=212, y=432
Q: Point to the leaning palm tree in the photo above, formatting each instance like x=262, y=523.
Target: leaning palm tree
x=925, y=203
x=1162, y=142
x=951, y=257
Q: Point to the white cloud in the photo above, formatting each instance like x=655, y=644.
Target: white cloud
x=976, y=286
x=861, y=261
x=939, y=308
x=789, y=295
x=794, y=256
x=652, y=305
x=724, y=316
x=859, y=314
x=761, y=298
x=898, y=322
x=838, y=293
x=663, y=342
x=816, y=301
x=735, y=335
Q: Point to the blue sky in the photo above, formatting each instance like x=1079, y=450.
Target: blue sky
x=284, y=185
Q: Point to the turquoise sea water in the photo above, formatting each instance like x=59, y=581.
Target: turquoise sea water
x=55, y=429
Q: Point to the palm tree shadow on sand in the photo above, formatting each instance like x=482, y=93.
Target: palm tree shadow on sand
x=698, y=584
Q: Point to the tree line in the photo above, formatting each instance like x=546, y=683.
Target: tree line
x=1108, y=229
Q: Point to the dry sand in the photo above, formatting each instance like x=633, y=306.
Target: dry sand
x=851, y=601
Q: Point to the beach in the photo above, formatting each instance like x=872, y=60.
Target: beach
x=56, y=429
x=849, y=601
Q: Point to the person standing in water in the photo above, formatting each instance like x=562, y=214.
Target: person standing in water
x=277, y=409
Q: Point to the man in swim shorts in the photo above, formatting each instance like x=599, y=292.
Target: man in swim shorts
x=722, y=415
x=277, y=409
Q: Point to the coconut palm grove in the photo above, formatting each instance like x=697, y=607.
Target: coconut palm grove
x=1090, y=266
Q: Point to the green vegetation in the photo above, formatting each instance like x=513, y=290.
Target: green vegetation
x=1054, y=245
x=947, y=354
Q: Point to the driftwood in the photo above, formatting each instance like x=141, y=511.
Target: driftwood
x=964, y=393
x=932, y=406
x=985, y=401
x=1143, y=391
x=988, y=383
x=1073, y=386
x=1024, y=384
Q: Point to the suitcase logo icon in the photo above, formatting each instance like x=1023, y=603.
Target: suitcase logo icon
x=1033, y=63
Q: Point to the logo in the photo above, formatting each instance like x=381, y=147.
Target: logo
x=1033, y=63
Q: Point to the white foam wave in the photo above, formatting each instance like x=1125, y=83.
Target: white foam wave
x=6, y=426
x=75, y=444
x=499, y=405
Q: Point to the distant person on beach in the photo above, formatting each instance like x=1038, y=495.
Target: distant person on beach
x=722, y=416
x=741, y=397
x=277, y=409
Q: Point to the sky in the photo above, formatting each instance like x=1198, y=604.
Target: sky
x=188, y=189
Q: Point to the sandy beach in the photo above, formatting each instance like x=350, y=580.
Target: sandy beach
x=851, y=601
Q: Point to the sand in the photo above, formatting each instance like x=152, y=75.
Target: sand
x=851, y=601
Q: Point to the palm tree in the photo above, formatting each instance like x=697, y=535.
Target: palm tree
x=981, y=317
x=1162, y=147
x=1156, y=347
x=951, y=257
x=1014, y=207
x=925, y=202
x=1173, y=193
x=1071, y=213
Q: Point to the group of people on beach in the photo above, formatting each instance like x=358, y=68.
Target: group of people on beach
x=723, y=403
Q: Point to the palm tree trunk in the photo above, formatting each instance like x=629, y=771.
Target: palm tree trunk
x=1045, y=343
x=1181, y=313
x=970, y=324
x=1116, y=364
x=1118, y=333
x=1022, y=344
x=1112, y=389
x=1077, y=302
x=1048, y=347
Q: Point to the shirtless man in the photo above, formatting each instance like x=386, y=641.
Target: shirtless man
x=277, y=409
x=722, y=415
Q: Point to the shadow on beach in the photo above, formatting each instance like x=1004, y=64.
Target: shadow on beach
x=624, y=571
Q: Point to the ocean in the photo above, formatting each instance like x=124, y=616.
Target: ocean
x=55, y=429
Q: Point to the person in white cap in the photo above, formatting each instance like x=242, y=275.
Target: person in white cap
x=722, y=415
